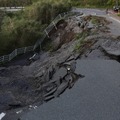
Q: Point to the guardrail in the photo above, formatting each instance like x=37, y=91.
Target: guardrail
x=15, y=53
x=46, y=32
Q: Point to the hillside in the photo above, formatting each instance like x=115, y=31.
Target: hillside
x=24, y=28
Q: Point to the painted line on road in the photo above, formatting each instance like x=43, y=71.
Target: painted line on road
x=115, y=19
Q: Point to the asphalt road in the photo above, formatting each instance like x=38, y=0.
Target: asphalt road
x=114, y=26
x=95, y=97
x=11, y=9
x=88, y=11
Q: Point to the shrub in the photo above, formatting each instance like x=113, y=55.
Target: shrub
x=25, y=27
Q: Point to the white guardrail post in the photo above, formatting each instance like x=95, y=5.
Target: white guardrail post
x=54, y=25
x=60, y=16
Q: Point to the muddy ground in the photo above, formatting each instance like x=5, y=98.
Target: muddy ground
x=77, y=37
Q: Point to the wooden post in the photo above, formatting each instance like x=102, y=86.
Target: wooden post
x=54, y=25
x=47, y=33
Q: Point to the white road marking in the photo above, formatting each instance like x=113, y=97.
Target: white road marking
x=2, y=115
x=115, y=19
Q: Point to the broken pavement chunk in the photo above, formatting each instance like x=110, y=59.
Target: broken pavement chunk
x=61, y=89
x=112, y=47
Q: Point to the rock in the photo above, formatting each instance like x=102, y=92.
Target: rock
x=2, y=68
x=70, y=58
x=73, y=66
x=77, y=29
x=46, y=76
x=50, y=93
x=51, y=72
x=40, y=74
x=49, y=88
x=8, y=100
x=4, y=81
x=56, y=43
x=77, y=55
x=48, y=98
x=112, y=47
x=61, y=89
x=82, y=25
x=68, y=78
x=78, y=18
x=61, y=73
x=90, y=25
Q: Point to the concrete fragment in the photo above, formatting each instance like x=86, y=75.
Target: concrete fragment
x=61, y=88
x=112, y=47
x=60, y=73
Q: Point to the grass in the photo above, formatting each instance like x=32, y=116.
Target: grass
x=95, y=20
x=47, y=45
x=118, y=14
x=79, y=45
x=81, y=37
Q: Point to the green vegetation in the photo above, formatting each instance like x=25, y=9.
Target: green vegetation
x=25, y=27
x=81, y=37
x=79, y=45
x=81, y=3
x=97, y=20
x=118, y=14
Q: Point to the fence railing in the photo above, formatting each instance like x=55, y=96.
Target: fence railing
x=15, y=53
x=46, y=32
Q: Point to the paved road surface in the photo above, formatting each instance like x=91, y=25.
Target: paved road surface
x=114, y=26
x=90, y=11
x=12, y=9
x=95, y=97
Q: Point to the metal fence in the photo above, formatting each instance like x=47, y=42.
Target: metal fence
x=46, y=32
x=15, y=53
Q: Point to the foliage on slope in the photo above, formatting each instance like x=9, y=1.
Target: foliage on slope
x=25, y=27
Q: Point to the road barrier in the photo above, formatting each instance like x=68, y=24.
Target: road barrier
x=19, y=51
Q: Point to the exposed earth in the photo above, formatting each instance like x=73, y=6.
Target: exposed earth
x=85, y=37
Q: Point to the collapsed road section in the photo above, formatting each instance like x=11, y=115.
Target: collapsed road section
x=79, y=37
